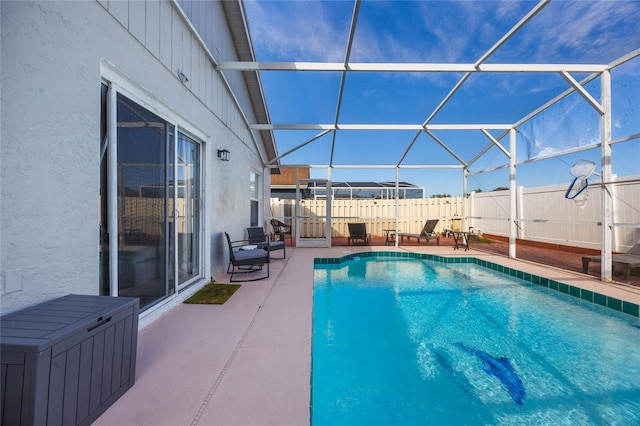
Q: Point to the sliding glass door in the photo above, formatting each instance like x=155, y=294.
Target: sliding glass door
x=153, y=184
x=185, y=186
x=143, y=149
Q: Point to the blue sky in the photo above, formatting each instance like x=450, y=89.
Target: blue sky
x=584, y=32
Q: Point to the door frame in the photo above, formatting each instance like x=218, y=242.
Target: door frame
x=321, y=242
x=117, y=83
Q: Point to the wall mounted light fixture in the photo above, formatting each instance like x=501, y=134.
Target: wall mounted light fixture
x=223, y=154
x=183, y=78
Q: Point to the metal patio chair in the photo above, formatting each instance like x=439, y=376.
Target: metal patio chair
x=245, y=258
x=281, y=230
x=358, y=231
x=259, y=238
x=428, y=232
x=628, y=260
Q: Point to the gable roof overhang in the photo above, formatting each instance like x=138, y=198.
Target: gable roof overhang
x=236, y=19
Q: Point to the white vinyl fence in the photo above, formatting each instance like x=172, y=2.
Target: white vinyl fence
x=543, y=214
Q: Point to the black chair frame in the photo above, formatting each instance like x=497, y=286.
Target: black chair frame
x=247, y=261
x=358, y=231
x=281, y=230
x=257, y=236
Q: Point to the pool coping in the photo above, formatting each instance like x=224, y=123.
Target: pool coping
x=610, y=302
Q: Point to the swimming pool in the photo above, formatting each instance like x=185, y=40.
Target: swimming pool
x=403, y=340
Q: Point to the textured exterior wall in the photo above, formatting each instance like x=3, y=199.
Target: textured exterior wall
x=54, y=55
x=50, y=132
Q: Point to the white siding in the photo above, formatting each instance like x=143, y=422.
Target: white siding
x=165, y=48
x=152, y=30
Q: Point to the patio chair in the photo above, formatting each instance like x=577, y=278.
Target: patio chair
x=428, y=232
x=258, y=237
x=281, y=230
x=358, y=231
x=628, y=260
x=246, y=258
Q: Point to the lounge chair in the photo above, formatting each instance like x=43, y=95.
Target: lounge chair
x=259, y=238
x=358, y=231
x=428, y=232
x=630, y=259
x=246, y=258
x=281, y=230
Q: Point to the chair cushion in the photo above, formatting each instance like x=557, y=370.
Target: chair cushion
x=249, y=257
x=276, y=245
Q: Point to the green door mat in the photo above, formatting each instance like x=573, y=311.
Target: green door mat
x=213, y=294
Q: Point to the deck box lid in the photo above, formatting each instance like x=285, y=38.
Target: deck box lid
x=37, y=327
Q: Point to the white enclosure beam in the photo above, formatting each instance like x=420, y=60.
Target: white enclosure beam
x=418, y=127
x=513, y=230
x=275, y=160
x=370, y=166
x=446, y=148
x=364, y=166
x=446, y=98
x=464, y=212
x=321, y=126
x=431, y=166
x=406, y=151
x=397, y=227
x=484, y=57
x=533, y=12
x=626, y=138
x=605, y=165
x=542, y=68
x=405, y=67
x=329, y=211
x=560, y=154
x=279, y=66
x=468, y=126
x=581, y=90
x=546, y=157
x=480, y=154
x=554, y=100
x=625, y=58
x=496, y=143
x=343, y=78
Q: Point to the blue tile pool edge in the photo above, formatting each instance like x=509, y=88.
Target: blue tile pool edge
x=587, y=295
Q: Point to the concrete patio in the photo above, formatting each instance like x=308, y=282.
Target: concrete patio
x=247, y=362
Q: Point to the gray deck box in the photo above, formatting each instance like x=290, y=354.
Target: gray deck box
x=64, y=362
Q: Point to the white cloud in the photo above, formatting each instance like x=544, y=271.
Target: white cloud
x=448, y=31
x=300, y=31
x=586, y=32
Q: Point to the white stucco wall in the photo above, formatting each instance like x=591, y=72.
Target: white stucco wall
x=53, y=57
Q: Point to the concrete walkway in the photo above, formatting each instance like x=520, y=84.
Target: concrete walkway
x=247, y=362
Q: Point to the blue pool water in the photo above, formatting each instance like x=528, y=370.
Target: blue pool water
x=410, y=341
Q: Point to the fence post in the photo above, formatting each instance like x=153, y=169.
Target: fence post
x=520, y=212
